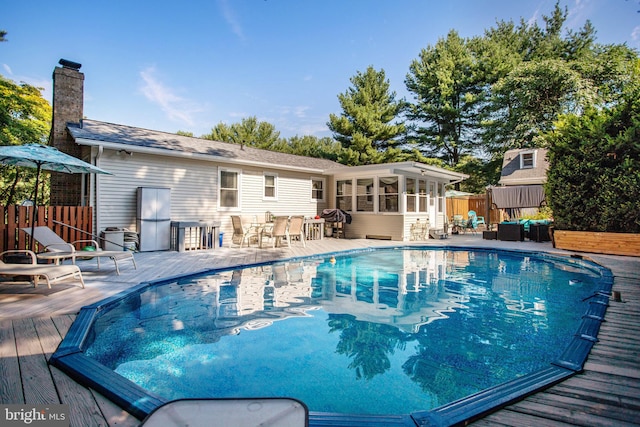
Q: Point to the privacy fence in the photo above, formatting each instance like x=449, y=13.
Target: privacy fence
x=69, y=222
x=481, y=204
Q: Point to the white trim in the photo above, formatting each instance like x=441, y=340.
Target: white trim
x=239, y=184
x=533, y=159
x=324, y=188
x=275, y=186
x=207, y=157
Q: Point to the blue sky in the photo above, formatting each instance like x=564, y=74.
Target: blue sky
x=189, y=65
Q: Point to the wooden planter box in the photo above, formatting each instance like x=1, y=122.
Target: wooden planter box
x=598, y=242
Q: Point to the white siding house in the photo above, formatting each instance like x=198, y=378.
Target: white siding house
x=212, y=180
x=192, y=168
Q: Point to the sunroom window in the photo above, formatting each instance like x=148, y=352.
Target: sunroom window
x=388, y=194
x=344, y=194
x=364, y=195
x=411, y=194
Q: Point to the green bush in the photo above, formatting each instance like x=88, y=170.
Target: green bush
x=593, y=182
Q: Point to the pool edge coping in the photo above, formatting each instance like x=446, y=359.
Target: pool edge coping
x=70, y=357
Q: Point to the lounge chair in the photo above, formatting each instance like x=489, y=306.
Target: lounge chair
x=242, y=232
x=57, y=249
x=283, y=412
x=50, y=273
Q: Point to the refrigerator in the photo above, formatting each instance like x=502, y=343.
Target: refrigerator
x=154, y=218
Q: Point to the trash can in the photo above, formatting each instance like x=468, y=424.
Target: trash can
x=220, y=239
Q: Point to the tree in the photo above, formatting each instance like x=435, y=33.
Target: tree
x=594, y=166
x=365, y=127
x=447, y=89
x=25, y=117
x=249, y=132
x=311, y=146
x=545, y=77
x=2, y=36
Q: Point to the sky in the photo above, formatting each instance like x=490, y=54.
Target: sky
x=189, y=65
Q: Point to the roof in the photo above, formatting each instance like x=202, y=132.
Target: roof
x=512, y=174
x=119, y=137
x=408, y=168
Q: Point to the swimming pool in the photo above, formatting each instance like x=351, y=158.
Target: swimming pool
x=415, y=330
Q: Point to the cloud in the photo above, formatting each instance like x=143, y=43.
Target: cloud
x=7, y=69
x=635, y=34
x=176, y=107
x=230, y=16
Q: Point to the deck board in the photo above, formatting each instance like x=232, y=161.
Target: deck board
x=10, y=387
x=33, y=321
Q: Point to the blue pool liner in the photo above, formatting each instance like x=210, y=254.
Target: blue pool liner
x=70, y=358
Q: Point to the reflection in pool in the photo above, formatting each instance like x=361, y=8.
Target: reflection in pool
x=408, y=329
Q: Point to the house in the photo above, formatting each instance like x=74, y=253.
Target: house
x=521, y=190
x=212, y=180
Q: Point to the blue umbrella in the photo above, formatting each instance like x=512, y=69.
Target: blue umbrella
x=44, y=157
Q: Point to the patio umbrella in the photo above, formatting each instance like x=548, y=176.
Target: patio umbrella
x=44, y=157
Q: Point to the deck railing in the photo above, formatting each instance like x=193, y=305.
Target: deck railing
x=69, y=222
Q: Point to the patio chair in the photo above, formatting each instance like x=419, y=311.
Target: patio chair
x=50, y=273
x=276, y=231
x=57, y=249
x=458, y=224
x=243, y=232
x=296, y=228
x=472, y=222
x=419, y=230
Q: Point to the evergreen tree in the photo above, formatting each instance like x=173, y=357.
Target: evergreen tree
x=365, y=127
x=447, y=89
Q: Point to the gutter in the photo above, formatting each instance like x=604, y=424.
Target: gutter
x=198, y=156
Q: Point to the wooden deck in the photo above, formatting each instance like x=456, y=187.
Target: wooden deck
x=34, y=321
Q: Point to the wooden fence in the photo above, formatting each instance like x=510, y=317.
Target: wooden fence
x=461, y=205
x=69, y=222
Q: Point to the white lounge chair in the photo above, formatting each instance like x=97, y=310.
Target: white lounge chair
x=50, y=273
x=57, y=249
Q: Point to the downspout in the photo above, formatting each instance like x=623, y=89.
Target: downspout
x=95, y=192
x=444, y=211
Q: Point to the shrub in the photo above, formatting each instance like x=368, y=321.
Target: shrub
x=593, y=182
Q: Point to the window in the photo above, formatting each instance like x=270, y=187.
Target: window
x=411, y=194
x=229, y=196
x=388, y=193
x=270, y=186
x=422, y=198
x=317, y=189
x=364, y=195
x=344, y=194
x=527, y=160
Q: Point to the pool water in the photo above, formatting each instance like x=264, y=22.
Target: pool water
x=389, y=331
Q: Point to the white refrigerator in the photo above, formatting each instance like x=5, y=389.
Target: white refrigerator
x=154, y=218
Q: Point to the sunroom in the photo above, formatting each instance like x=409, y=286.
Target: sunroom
x=385, y=200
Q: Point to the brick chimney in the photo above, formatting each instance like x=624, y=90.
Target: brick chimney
x=68, y=94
